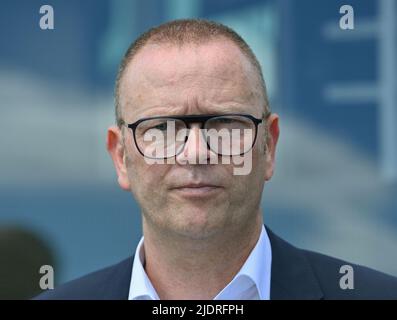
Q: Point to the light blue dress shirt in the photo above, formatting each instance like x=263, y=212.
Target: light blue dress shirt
x=252, y=282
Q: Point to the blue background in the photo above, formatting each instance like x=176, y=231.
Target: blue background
x=334, y=189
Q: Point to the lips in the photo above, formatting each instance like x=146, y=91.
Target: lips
x=197, y=189
x=196, y=185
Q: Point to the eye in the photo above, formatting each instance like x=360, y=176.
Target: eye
x=161, y=126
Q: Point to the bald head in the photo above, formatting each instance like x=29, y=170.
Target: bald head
x=179, y=36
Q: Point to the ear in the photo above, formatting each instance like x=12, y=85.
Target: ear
x=271, y=143
x=115, y=147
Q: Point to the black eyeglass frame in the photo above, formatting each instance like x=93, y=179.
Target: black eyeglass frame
x=197, y=118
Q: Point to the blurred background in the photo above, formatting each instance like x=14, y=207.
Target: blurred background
x=335, y=185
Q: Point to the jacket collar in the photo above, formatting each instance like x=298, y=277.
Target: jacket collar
x=117, y=283
x=292, y=276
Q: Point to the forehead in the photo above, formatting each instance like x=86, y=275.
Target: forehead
x=214, y=73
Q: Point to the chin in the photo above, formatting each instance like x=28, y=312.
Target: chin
x=197, y=224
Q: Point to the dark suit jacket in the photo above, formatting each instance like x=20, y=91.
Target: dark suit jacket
x=295, y=274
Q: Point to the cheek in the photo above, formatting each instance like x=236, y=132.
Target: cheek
x=250, y=184
x=140, y=172
x=145, y=175
x=147, y=182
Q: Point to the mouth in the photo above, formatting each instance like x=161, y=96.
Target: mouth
x=197, y=189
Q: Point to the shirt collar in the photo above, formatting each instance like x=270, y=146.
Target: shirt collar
x=141, y=287
x=252, y=281
x=254, y=275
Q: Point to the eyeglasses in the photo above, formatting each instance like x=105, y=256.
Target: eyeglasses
x=163, y=137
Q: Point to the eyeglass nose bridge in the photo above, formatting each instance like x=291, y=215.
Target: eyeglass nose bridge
x=192, y=119
x=201, y=136
x=189, y=120
x=188, y=124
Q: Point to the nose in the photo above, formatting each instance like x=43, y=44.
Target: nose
x=195, y=150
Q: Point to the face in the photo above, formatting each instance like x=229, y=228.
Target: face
x=192, y=200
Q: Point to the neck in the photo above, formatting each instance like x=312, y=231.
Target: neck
x=180, y=267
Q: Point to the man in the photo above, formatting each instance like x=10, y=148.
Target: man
x=179, y=86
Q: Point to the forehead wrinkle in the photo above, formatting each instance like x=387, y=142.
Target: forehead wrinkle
x=192, y=92
x=194, y=103
x=199, y=90
x=189, y=75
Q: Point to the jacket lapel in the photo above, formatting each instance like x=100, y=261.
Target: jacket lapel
x=117, y=283
x=292, y=276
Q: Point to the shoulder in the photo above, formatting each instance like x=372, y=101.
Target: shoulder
x=302, y=274
x=109, y=283
x=364, y=282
